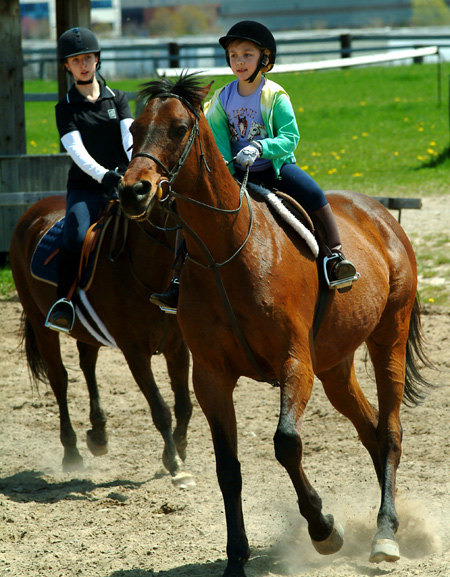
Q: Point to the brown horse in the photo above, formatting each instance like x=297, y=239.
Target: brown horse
x=248, y=291
x=119, y=296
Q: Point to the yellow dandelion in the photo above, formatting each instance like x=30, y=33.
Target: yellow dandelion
x=431, y=300
x=357, y=174
x=420, y=129
x=33, y=143
x=406, y=119
x=354, y=137
x=432, y=143
x=301, y=109
x=305, y=167
x=332, y=171
x=362, y=103
x=365, y=134
x=396, y=153
x=397, y=99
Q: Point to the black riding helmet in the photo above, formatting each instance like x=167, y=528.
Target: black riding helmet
x=260, y=35
x=78, y=41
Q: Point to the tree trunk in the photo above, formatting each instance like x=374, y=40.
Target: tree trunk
x=12, y=108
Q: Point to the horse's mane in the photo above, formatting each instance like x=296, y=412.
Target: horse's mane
x=186, y=86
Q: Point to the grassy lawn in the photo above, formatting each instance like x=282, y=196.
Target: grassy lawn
x=377, y=130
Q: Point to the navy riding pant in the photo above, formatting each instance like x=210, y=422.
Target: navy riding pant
x=293, y=181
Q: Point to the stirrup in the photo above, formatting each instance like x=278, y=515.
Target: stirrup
x=155, y=298
x=51, y=325
x=339, y=284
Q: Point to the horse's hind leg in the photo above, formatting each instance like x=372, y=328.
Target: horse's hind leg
x=345, y=394
x=387, y=348
x=380, y=434
x=139, y=364
x=177, y=359
x=326, y=535
x=96, y=438
x=42, y=341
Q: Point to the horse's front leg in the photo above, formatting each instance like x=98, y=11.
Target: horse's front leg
x=296, y=387
x=97, y=437
x=215, y=396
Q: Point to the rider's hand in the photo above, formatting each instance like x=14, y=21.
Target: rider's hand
x=248, y=155
x=110, y=181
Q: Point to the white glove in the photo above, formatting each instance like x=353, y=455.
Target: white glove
x=248, y=155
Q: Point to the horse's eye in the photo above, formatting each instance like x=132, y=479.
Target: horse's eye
x=180, y=131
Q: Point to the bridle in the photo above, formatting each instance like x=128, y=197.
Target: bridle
x=173, y=172
x=171, y=196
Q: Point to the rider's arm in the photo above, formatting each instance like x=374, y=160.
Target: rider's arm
x=73, y=143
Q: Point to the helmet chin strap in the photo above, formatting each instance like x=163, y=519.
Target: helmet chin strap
x=83, y=82
x=263, y=61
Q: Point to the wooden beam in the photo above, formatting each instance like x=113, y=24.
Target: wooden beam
x=70, y=13
x=12, y=108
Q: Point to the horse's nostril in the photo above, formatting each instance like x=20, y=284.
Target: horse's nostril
x=142, y=188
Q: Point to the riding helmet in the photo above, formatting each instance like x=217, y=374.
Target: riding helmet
x=77, y=41
x=257, y=33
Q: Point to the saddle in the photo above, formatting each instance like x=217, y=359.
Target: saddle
x=44, y=262
x=293, y=213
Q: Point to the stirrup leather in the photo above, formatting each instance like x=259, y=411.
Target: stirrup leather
x=338, y=283
x=55, y=327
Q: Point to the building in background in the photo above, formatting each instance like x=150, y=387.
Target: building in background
x=154, y=18
x=38, y=18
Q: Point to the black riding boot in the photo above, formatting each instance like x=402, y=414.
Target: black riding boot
x=168, y=300
x=339, y=272
x=62, y=314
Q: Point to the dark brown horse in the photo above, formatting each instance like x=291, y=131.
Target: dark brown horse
x=119, y=296
x=249, y=288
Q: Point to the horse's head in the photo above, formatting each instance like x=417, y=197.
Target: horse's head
x=163, y=136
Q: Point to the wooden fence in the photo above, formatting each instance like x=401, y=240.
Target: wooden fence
x=23, y=181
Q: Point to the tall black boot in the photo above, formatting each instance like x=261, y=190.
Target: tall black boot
x=168, y=300
x=339, y=272
x=62, y=314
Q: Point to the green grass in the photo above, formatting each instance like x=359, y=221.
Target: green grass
x=6, y=282
x=377, y=130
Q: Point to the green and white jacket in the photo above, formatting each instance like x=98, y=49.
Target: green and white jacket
x=279, y=120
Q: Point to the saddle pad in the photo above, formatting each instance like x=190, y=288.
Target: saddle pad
x=44, y=261
x=288, y=216
x=42, y=268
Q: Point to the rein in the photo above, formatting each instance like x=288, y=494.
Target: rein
x=171, y=196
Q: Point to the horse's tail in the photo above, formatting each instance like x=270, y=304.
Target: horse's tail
x=36, y=365
x=416, y=386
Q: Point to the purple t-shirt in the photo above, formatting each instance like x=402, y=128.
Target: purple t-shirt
x=244, y=120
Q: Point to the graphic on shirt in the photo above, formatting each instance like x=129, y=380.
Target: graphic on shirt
x=256, y=129
x=112, y=113
x=242, y=125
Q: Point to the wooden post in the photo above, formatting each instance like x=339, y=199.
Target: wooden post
x=346, y=45
x=174, y=55
x=12, y=107
x=69, y=13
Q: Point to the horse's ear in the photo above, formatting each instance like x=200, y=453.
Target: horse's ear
x=204, y=91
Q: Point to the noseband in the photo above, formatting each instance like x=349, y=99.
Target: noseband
x=173, y=173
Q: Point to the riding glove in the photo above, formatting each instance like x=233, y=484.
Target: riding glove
x=110, y=181
x=248, y=155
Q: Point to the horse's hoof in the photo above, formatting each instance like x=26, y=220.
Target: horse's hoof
x=95, y=447
x=183, y=480
x=332, y=543
x=384, y=550
x=72, y=464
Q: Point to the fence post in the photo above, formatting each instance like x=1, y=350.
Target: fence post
x=346, y=45
x=418, y=59
x=174, y=55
